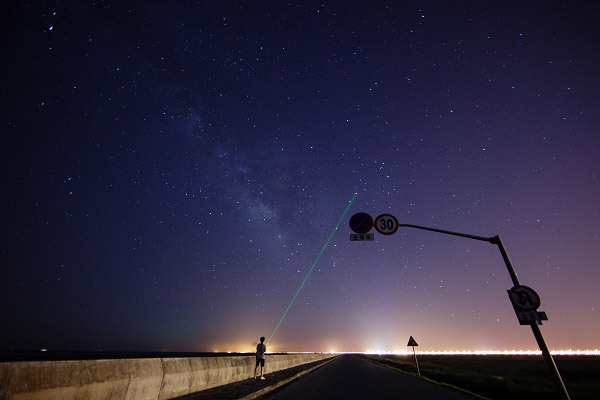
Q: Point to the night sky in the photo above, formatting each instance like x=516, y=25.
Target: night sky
x=171, y=170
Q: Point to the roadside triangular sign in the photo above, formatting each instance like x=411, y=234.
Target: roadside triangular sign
x=412, y=342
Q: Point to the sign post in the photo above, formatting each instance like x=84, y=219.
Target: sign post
x=537, y=333
x=522, y=297
x=412, y=342
x=526, y=301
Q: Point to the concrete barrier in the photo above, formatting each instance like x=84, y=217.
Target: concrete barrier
x=81, y=379
x=142, y=378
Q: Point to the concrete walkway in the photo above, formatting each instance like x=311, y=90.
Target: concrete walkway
x=254, y=388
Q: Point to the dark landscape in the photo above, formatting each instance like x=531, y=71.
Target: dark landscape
x=505, y=377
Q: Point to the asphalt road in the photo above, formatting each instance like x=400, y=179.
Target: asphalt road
x=351, y=377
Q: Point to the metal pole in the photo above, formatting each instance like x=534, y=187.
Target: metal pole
x=466, y=235
x=416, y=362
x=511, y=271
x=550, y=364
x=558, y=382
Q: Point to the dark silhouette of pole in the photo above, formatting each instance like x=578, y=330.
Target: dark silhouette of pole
x=416, y=362
x=537, y=333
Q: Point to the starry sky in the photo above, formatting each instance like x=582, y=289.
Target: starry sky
x=171, y=170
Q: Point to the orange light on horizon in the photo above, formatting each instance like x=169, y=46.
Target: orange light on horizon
x=569, y=352
x=521, y=352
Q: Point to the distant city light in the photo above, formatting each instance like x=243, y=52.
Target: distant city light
x=569, y=352
x=562, y=352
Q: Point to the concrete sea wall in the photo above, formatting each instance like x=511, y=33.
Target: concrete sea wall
x=137, y=378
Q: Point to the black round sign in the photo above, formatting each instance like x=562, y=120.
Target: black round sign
x=524, y=298
x=361, y=223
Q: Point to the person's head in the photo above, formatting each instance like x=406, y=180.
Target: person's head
x=262, y=339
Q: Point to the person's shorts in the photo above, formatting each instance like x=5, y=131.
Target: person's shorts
x=260, y=361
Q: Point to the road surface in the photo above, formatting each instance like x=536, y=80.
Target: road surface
x=351, y=377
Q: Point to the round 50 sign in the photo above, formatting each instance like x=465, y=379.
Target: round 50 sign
x=386, y=224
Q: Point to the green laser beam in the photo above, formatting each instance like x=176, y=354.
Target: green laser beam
x=313, y=266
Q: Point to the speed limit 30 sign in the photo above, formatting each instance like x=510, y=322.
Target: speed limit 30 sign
x=386, y=224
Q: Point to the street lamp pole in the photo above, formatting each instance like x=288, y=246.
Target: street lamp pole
x=537, y=333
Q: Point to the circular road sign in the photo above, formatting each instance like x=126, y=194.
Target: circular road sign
x=361, y=223
x=386, y=224
x=524, y=298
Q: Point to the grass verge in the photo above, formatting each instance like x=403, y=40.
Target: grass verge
x=504, y=377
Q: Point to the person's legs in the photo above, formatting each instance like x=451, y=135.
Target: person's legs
x=262, y=368
x=256, y=368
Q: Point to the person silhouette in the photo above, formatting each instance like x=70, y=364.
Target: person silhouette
x=261, y=348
